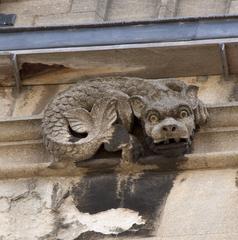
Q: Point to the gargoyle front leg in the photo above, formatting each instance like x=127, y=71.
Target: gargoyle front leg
x=132, y=151
x=122, y=140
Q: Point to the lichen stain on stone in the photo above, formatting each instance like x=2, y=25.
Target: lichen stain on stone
x=34, y=69
x=143, y=194
x=46, y=94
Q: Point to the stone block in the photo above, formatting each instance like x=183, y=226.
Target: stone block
x=20, y=129
x=27, y=152
x=98, y=6
x=201, y=203
x=67, y=19
x=132, y=10
x=4, y=205
x=24, y=21
x=192, y=205
x=13, y=188
x=233, y=7
x=102, y=8
x=31, y=7
x=201, y=7
x=84, y=5
x=167, y=8
x=6, y=72
x=33, y=100
x=6, y=102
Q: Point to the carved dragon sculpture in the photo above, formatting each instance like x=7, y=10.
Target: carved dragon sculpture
x=104, y=111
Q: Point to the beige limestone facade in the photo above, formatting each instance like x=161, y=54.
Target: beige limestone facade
x=65, y=12
x=195, y=200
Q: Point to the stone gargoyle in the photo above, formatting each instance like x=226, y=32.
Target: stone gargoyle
x=132, y=116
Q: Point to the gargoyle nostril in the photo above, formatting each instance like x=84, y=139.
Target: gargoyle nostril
x=169, y=128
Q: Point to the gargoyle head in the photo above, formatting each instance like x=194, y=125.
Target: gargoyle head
x=169, y=121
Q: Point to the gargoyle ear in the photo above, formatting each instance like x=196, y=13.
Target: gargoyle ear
x=192, y=93
x=200, y=110
x=138, y=103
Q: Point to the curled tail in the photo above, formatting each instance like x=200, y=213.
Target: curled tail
x=61, y=128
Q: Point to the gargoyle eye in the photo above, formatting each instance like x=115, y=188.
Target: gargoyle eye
x=153, y=118
x=184, y=113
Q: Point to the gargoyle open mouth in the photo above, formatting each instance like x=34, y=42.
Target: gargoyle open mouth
x=173, y=143
x=170, y=147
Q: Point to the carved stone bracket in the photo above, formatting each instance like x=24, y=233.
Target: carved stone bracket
x=130, y=118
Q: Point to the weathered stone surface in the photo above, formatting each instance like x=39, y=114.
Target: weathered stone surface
x=132, y=10
x=126, y=204
x=146, y=61
x=213, y=89
x=60, y=213
x=75, y=208
x=13, y=188
x=25, y=20
x=26, y=152
x=209, y=140
x=205, y=205
x=102, y=8
x=32, y=100
x=6, y=102
x=20, y=129
x=31, y=12
x=32, y=7
x=68, y=19
x=201, y=7
x=220, y=141
x=233, y=7
x=4, y=205
x=100, y=112
x=84, y=5
x=167, y=9
x=6, y=69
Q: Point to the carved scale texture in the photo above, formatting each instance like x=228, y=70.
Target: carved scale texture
x=56, y=135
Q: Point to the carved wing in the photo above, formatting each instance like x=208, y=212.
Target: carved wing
x=99, y=120
x=79, y=120
x=104, y=114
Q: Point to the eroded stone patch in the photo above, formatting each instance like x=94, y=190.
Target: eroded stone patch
x=112, y=221
x=92, y=207
x=143, y=195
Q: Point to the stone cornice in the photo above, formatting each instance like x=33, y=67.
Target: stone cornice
x=215, y=146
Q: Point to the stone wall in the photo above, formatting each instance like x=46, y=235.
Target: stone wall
x=131, y=201
x=65, y=12
x=180, y=206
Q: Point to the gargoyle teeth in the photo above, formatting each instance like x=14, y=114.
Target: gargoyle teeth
x=173, y=140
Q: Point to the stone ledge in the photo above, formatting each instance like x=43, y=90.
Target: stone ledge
x=193, y=162
x=28, y=128
x=214, y=146
x=20, y=129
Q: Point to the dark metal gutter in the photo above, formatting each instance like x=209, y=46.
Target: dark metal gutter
x=171, y=30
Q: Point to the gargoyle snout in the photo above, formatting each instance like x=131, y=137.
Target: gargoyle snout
x=169, y=128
